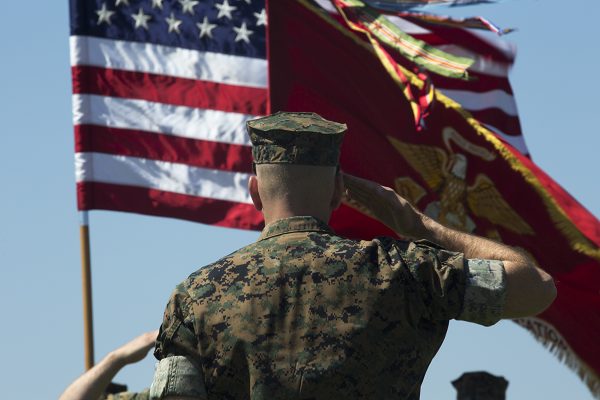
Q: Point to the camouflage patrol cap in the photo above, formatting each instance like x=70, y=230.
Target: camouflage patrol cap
x=296, y=138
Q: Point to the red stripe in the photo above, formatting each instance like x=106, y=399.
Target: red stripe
x=169, y=89
x=104, y=196
x=198, y=153
x=477, y=83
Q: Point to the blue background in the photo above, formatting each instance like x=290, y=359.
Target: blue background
x=138, y=260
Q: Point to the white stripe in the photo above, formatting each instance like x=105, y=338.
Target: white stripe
x=407, y=26
x=328, y=6
x=195, y=123
x=473, y=101
x=518, y=142
x=161, y=175
x=166, y=60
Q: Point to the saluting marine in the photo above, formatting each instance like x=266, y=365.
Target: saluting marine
x=306, y=314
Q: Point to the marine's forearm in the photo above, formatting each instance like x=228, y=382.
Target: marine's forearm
x=470, y=245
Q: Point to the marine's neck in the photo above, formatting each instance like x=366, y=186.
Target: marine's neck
x=281, y=211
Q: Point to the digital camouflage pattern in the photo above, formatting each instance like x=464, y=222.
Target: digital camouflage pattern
x=303, y=313
x=143, y=395
x=296, y=138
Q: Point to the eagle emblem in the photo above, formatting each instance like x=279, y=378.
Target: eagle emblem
x=445, y=173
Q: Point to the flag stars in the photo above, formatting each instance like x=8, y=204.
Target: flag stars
x=188, y=5
x=261, y=18
x=141, y=19
x=157, y=4
x=225, y=9
x=119, y=2
x=205, y=28
x=242, y=33
x=173, y=23
x=104, y=15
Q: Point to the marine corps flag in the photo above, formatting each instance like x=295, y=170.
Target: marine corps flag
x=470, y=170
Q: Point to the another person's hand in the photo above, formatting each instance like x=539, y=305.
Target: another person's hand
x=136, y=349
x=92, y=383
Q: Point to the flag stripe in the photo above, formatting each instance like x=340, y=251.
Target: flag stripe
x=508, y=49
x=169, y=89
x=482, y=65
x=407, y=26
x=494, y=117
x=106, y=196
x=171, y=61
x=516, y=141
x=477, y=83
x=471, y=101
x=163, y=176
x=149, y=116
x=197, y=153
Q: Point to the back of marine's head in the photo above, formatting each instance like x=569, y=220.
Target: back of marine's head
x=296, y=158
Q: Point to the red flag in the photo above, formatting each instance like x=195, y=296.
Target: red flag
x=455, y=169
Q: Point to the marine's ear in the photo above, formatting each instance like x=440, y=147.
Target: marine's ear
x=338, y=190
x=253, y=189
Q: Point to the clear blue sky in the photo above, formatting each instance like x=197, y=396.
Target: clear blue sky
x=138, y=260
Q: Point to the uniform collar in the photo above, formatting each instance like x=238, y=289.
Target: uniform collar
x=294, y=224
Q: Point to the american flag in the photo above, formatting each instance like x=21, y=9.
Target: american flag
x=162, y=90
x=161, y=93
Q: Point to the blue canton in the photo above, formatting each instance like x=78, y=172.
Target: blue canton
x=236, y=27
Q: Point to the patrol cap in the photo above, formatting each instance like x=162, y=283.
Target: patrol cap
x=296, y=138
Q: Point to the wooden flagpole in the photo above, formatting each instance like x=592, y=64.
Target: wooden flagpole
x=86, y=280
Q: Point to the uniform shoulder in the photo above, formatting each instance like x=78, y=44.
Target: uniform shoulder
x=217, y=270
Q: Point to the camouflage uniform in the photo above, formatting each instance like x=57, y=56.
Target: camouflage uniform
x=304, y=313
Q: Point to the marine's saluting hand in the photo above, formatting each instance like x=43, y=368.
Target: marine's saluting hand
x=383, y=204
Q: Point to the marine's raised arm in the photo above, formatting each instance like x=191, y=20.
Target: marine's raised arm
x=529, y=289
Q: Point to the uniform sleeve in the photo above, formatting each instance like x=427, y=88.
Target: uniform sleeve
x=178, y=372
x=453, y=287
x=176, y=335
x=177, y=376
x=485, y=292
x=143, y=395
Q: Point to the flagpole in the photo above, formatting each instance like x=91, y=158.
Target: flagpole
x=86, y=280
